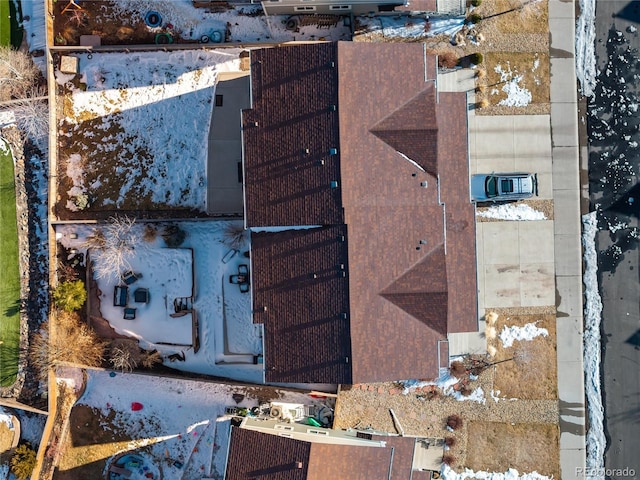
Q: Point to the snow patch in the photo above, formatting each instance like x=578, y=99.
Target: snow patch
x=512, y=474
x=512, y=211
x=517, y=96
x=595, y=440
x=585, y=47
x=508, y=335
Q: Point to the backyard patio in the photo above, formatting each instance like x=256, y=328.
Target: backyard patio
x=191, y=302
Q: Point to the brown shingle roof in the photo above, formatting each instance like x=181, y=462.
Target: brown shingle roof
x=411, y=245
x=262, y=455
x=254, y=455
x=301, y=277
x=400, y=283
x=294, y=92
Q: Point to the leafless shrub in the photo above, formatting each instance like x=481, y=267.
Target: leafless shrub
x=18, y=74
x=466, y=390
x=484, y=103
x=447, y=59
x=448, y=460
x=450, y=441
x=173, y=236
x=150, y=359
x=234, y=235
x=124, y=355
x=72, y=341
x=481, y=88
x=66, y=273
x=150, y=233
x=457, y=369
x=113, y=245
x=481, y=73
x=454, y=422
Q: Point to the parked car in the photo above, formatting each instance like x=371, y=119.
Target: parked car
x=501, y=187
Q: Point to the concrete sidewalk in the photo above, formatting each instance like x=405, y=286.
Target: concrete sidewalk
x=567, y=237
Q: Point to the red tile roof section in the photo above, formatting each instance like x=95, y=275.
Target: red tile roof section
x=298, y=277
x=295, y=96
x=402, y=290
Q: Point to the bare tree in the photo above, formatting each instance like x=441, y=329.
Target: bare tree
x=113, y=245
x=18, y=74
x=234, y=235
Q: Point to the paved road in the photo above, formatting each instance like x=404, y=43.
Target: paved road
x=619, y=273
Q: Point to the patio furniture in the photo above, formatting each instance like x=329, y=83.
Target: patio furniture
x=129, y=277
x=243, y=270
x=229, y=255
x=244, y=287
x=237, y=279
x=141, y=295
x=120, y=296
x=129, y=313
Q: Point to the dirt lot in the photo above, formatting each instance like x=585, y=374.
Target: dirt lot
x=520, y=446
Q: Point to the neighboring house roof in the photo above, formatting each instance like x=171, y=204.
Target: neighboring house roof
x=252, y=454
x=411, y=264
x=301, y=295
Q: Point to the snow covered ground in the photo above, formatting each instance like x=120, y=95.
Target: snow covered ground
x=511, y=211
x=410, y=26
x=596, y=440
x=177, y=426
x=228, y=337
x=149, y=114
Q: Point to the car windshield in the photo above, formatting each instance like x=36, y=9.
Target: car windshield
x=491, y=186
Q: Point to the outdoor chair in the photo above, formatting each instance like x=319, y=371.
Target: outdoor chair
x=129, y=314
x=235, y=279
x=120, y=296
x=141, y=295
x=130, y=277
x=243, y=270
x=244, y=287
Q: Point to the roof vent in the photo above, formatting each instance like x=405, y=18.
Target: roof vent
x=334, y=184
x=255, y=124
x=424, y=184
x=332, y=64
x=264, y=309
x=341, y=238
x=423, y=242
x=315, y=275
x=343, y=315
x=333, y=151
x=332, y=108
x=341, y=266
x=306, y=151
x=342, y=273
x=346, y=359
x=298, y=464
x=320, y=162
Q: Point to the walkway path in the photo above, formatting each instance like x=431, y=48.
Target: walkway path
x=567, y=232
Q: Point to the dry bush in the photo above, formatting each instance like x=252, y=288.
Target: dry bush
x=150, y=359
x=466, y=390
x=491, y=317
x=124, y=354
x=457, y=369
x=481, y=88
x=150, y=233
x=173, y=236
x=234, y=235
x=454, y=422
x=450, y=441
x=72, y=341
x=66, y=273
x=448, y=460
x=18, y=73
x=491, y=350
x=447, y=59
x=484, y=103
